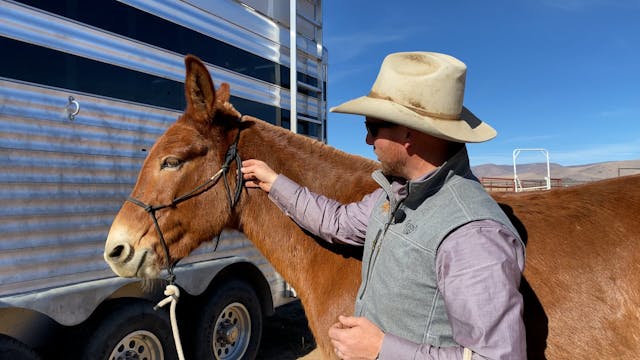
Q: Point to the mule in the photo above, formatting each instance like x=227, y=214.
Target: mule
x=582, y=279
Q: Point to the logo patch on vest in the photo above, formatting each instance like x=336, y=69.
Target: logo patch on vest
x=386, y=206
x=409, y=227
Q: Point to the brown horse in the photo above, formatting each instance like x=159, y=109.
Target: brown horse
x=582, y=277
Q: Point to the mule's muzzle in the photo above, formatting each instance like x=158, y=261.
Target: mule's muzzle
x=125, y=261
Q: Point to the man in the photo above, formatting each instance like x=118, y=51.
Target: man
x=442, y=263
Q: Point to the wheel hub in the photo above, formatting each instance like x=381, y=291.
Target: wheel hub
x=228, y=332
x=138, y=345
x=232, y=332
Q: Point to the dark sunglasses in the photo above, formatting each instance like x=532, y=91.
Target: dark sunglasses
x=374, y=127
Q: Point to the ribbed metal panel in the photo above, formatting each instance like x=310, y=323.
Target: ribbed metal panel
x=40, y=28
x=62, y=181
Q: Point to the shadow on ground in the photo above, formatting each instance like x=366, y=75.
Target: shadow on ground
x=286, y=334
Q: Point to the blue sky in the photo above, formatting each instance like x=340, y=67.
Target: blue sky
x=562, y=75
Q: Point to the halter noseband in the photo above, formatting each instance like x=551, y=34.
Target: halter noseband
x=230, y=156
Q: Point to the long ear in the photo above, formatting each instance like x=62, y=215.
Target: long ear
x=224, y=93
x=199, y=89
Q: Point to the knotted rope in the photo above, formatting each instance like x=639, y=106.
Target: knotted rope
x=173, y=294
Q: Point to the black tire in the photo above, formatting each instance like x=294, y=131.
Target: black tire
x=131, y=330
x=13, y=349
x=230, y=323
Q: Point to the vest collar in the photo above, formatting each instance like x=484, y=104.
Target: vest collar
x=413, y=193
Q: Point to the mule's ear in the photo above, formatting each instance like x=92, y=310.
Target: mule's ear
x=224, y=93
x=198, y=86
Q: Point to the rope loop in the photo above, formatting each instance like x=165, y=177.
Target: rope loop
x=173, y=294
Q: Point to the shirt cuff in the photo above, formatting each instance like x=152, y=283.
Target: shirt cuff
x=282, y=191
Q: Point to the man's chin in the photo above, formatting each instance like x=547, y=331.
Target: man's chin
x=389, y=171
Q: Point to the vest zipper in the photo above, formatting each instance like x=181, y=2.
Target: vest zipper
x=375, y=248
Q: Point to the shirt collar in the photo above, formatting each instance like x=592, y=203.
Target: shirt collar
x=415, y=191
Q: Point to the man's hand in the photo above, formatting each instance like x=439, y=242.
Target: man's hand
x=258, y=174
x=356, y=338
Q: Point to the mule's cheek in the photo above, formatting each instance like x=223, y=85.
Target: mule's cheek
x=178, y=237
x=149, y=241
x=150, y=269
x=181, y=249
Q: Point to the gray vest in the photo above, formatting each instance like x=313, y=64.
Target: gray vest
x=399, y=291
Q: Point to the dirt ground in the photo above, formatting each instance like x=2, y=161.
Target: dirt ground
x=286, y=335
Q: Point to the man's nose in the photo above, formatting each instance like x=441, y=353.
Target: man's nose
x=369, y=139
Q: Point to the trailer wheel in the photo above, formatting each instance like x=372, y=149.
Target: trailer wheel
x=13, y=349
x=230, y=326
x=132, y=330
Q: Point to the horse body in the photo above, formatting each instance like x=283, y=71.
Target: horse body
x=581, y=282
x=581, y=279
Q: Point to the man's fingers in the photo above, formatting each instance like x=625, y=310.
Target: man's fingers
x=336, y=333
x=333, y=330
x=251, y=184
x=249, y=162
x=348, y=321
x=248, y=176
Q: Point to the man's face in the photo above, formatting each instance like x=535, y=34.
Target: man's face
x=388, y=141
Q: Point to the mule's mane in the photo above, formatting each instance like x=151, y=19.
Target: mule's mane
x=318, y=166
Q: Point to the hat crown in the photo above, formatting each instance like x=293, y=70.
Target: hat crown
x=423, y=91
x=423, y=81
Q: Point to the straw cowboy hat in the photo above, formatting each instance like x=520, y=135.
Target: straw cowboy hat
x=423, y=91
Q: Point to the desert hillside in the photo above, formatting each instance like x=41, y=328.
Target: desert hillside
x=568, y=174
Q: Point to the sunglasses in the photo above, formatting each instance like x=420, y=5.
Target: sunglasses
x=374, y=127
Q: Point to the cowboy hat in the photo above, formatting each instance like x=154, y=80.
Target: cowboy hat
x=423, y=91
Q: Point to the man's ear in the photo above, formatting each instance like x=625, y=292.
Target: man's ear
x=409, y=138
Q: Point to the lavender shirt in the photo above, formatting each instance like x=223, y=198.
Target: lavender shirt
x=478, y=279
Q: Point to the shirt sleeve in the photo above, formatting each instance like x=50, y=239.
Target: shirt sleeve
x=479, y=267
x=327, y=218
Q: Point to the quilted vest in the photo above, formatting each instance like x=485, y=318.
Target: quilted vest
x=399, y=291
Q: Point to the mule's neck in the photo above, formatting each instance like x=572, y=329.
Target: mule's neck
x=326, y=281
x=319, y=167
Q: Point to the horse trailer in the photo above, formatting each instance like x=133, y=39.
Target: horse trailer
x=86, y=87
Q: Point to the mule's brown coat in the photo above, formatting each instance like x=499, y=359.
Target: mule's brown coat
x=582, y=277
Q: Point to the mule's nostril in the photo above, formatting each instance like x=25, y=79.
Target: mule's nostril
x=116, y=251
x=120, y=253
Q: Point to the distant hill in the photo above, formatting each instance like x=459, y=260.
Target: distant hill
x=579, y=173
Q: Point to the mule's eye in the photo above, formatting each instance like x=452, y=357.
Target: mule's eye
x=171, y=162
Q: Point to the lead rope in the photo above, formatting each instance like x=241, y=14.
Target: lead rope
x=173, y=294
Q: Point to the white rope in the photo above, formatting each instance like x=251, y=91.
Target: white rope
x=467, y=354
x=173, y=294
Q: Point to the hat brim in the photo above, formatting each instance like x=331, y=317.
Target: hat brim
x=468, y=128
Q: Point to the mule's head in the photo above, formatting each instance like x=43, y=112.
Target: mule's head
x=189, y=153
